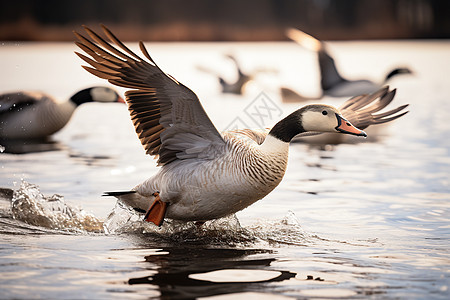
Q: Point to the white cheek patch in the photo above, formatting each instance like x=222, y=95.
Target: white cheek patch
x=316, y=121
x=101, y=94
x=307, y=120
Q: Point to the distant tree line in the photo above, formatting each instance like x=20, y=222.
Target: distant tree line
x=203, y=20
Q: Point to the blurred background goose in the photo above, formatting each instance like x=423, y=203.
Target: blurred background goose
x=204, y=175
x=35, y=115
x=332, y=83
x=236, y=87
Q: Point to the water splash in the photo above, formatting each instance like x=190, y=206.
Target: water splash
x=286, y=231
x=29, y=205
x=225, y=231
x=122, y=219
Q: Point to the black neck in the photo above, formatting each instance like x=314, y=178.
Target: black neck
x=81, y=97
x=330, y=76
x=397, y=72
x=286, y=129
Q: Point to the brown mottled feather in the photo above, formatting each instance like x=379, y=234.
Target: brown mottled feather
x=257, y=135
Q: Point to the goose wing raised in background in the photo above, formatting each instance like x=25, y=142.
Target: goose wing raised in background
x=362, y=110
x=330, y=76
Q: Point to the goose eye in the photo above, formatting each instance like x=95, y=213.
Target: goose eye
x=324, y=113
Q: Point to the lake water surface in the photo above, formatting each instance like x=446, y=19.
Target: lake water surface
x=357, y=220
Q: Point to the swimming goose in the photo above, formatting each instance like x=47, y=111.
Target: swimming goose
x=332, y=83
x=36, y=115
x=362, y=111
x=203, y=174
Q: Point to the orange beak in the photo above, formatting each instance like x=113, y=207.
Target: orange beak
x=345, y=126
x=121, y=100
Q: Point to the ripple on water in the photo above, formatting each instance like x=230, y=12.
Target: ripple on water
x=247, y=296
x=236, y=275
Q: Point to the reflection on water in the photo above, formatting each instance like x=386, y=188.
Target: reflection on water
x=210, y=272
x=183, y=261
x=364, y=220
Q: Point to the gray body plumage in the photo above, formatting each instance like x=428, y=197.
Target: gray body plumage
x=204, y=189
x=35, y=115
x=25, y=115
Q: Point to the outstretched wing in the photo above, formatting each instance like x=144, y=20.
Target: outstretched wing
x=303, y=39
x=169, y=119
x=362, y=111
x=329, y=73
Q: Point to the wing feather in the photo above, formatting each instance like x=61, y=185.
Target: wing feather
x=168, y=117
x=362, y=110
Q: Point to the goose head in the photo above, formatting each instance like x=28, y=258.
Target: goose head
x=398, y=71
x=96, y=94
x=314, y=118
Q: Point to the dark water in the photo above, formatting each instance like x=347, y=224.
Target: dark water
x=352, y=221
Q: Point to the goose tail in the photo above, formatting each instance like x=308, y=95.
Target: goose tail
x=118, y=194
x=130, y=198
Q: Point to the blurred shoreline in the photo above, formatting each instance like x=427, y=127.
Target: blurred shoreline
x=178, y=32
x=250, y=20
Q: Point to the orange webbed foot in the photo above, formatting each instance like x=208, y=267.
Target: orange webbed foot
x=157, y=211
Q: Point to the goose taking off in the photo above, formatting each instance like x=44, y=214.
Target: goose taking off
x=332, y=83
x=35, y=115
x=204, y=175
